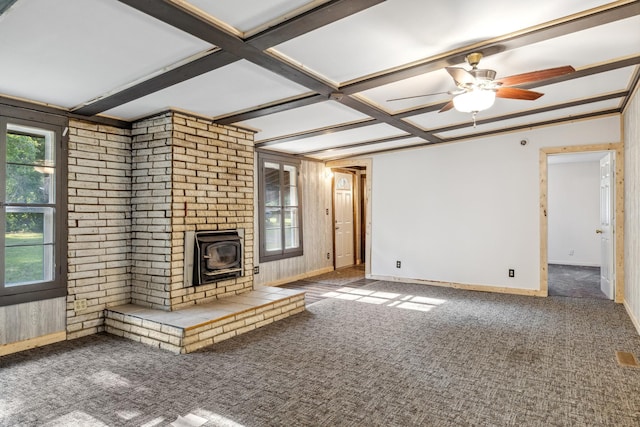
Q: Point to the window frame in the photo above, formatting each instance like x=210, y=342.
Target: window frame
x=57, y=286
x=282, y=160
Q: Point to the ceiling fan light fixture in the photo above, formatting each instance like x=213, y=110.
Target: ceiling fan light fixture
x=474, y=100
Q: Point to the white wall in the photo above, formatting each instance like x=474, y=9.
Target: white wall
x=467, y=212
x=574, y=213
x=632, y=209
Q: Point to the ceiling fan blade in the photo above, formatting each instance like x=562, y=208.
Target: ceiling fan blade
x=418, y=96
x=535, y=76
x=517, y=93
x=461, y=76
x=448, y=106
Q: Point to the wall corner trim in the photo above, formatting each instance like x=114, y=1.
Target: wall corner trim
x=634, y=320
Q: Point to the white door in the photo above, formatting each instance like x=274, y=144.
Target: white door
x=606, y=228
x=343, y=201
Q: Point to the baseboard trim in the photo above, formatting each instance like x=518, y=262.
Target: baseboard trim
x=463, y=286
x=16, y=347
x=633, y=318
x=299, y=277
x=574, y=264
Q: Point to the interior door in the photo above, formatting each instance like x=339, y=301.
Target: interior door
x=343, y=209
x=605, y=230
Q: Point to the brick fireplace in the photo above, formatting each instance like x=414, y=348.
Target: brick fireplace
x=188, y=175
x=134, y=195
x=192, y=183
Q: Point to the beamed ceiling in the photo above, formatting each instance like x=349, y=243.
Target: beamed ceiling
x=315, y=78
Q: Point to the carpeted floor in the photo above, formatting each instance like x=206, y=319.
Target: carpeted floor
x=386, y=354
x=575, y=281
x=317, y=287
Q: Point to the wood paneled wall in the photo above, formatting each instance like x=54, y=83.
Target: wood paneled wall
x=317, y=232
x=32, y=319
x=631, y=125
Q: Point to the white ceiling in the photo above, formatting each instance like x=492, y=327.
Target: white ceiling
x=313, y=78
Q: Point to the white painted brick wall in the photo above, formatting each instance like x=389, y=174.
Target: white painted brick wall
x=99, y=220
x=213, y=176
x=150, y=202
x=126, y=216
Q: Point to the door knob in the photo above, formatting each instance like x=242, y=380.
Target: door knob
x=598, y=231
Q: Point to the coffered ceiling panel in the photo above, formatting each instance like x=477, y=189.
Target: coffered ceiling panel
x=67, y=52
x=337, y=139
x=314, y=78
x=579, y=49
x=399, y=32
x=338, y=153
x=435, y=85
x=247, y=16
x=231, y=88
x=573, y=112
x=315, y=116
x=576, y=49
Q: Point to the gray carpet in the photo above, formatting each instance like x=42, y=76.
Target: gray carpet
x=317, y=287
x=387, y=354
x=575, y=281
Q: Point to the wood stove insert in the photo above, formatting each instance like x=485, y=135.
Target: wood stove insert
x=217, y=256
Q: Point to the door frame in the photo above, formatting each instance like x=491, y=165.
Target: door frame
x=618, y=231
x=354, y=193
x=368, y=165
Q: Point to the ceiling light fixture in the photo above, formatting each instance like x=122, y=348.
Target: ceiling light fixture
x=474, y=101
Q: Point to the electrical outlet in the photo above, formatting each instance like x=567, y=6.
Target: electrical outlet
x=398, y=264
x=256, y=269
x=327, y=211
x=80, y=304
x=328, y=255
x=571, y=252
x=512, y=272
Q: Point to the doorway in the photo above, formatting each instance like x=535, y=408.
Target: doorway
x=360, y=169
x=577, y=261
x=582, y=222
x=344, y=225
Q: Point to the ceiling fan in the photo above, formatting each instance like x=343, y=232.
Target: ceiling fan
x=478, y=88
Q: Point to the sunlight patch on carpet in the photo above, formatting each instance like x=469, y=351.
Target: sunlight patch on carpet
x=9, y=406
x=75, y=419
x=415, y=306
x=389, y=299
x=127, y=415
x=189, y=420
x=154, y=422
x=217, y=419
x=372, y=300
x=109, y=379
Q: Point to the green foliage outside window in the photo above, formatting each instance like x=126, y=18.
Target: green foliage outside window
x=26, y=180
x=32, y=208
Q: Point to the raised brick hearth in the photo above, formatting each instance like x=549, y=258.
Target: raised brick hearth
x=189, y=174
x=192, y=328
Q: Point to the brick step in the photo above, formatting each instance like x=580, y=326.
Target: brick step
x=202, y=325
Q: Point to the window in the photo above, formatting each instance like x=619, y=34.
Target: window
x=280, y=207
x=32, y=214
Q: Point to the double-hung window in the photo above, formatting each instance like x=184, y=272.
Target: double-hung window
x=32, y=214
x=280, y=207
